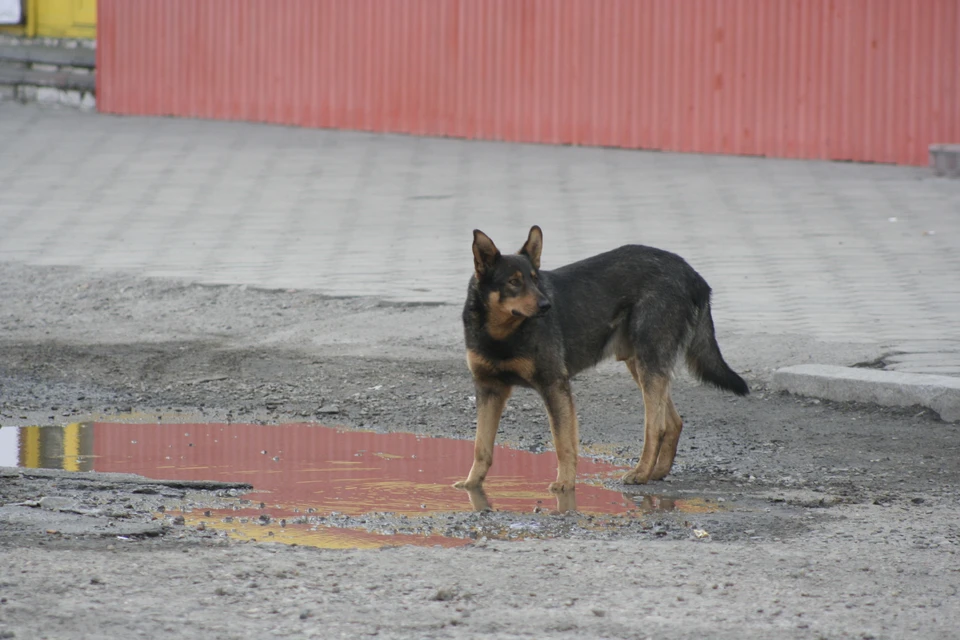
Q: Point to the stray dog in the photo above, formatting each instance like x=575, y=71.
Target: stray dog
x=537, y=329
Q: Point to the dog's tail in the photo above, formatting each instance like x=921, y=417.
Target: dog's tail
x=704, y=358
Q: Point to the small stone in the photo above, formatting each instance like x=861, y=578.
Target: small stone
x=56, y=503
x=599, y=612
x=305, y=614
x=444, y=594
x=178, y=520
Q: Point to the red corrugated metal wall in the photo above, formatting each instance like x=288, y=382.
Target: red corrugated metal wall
x=869, y=80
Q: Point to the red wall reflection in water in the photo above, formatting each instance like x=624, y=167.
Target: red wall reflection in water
x=305, y=466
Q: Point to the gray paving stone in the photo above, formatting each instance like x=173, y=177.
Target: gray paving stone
x=888, y=388
x=834, y=252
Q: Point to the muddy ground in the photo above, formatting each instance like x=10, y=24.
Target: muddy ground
x=843, y=521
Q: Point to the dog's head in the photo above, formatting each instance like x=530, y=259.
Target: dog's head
x=510, y=284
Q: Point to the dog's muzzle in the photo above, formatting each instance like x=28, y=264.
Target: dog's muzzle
x=543, y=305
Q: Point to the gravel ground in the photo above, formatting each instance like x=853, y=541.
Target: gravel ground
x=842, y=521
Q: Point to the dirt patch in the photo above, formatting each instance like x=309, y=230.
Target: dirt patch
x=842, y=519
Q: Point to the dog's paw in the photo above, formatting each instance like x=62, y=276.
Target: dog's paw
x=659, y=474
x=560, y=487
x=634, y=477
x=467, y=484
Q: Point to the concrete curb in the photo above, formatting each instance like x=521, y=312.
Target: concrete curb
x=888, y=388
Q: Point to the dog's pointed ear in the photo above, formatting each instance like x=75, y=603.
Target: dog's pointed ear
x=533, y=246
x=485, y=253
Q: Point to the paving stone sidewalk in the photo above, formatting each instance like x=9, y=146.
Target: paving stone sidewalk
x=832, y=251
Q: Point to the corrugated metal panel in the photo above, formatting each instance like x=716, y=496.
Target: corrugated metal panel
x=868, y=80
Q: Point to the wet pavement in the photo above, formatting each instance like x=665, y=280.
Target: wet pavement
x=328, y=487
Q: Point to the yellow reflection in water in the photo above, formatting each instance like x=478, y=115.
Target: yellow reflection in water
x=317, y=536
x=69, y=448
x=30, y=447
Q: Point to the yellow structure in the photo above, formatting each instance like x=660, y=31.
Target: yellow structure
x=58, y=19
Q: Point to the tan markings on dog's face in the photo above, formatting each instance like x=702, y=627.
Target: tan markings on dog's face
x=482, y=367
x=501, y=321
x=518, y=298
x=525, y=305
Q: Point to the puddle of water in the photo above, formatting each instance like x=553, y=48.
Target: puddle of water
x=301, y=471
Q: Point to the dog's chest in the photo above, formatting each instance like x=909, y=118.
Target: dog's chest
x=513, y=370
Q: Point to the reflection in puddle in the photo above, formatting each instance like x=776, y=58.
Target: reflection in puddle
x=69, y=448
x=306, y=477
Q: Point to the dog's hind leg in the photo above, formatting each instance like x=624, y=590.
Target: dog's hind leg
x=668, y=447
x=491, y=399
x=656, y=397
x=566, y=437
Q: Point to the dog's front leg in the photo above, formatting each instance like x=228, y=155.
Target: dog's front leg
x=491, y=399
x=566, y=437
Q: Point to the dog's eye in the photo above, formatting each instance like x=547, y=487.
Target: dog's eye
x=514, y=282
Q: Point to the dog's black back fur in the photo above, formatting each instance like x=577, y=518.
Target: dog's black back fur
x=632, y=302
